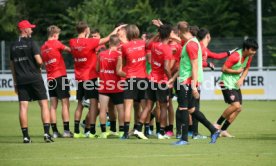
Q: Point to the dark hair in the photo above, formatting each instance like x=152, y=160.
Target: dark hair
x=250, y=43
x=81, y=26
x=202, y=33
x=194, y=30
x=164, y=31
x=183, y=26
x=132, y=32
x=95, y=30
x=175, y=29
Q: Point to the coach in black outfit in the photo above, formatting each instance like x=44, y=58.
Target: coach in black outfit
x=25, y=64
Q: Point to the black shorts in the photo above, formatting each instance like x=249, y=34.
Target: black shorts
x=158, y=92
x=231, y=96
x=88, y=89
x=136, y=89
x=59, y=87
x=185, y=97
x=116, y=98
x=32, y=91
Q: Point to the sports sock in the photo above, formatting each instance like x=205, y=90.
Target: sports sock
x=202, y=119
x=54, y=127
x=166, y=128
x=121, y=128
x=86, y=130
x=225, y=125
x=134, y=126
x=66, y=126
x=25, y=132
x=113, y=126
x=170, y=128
x=195, y=126
x=177, y=121
x=139, y=126
x=103, y=128
x=220, y=120
x=162, y=130
x=147, y=128
x=184, y=121
x=126, y=128
x=77, y=127
x=151, y=127
x=92, y=128
x=46, y=127
x=157, y=127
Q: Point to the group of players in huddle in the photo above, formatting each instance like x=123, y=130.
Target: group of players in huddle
x=140, y=73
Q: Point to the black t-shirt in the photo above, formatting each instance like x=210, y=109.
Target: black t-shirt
x=22, y=54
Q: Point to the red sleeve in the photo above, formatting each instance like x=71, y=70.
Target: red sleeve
x=167, y=53
x=192, y=50
x=232, y=60
x=205, y=64
x=94, y=43
x=213, y=55
x=61, y=46
x=249, y=62
x=149, y=46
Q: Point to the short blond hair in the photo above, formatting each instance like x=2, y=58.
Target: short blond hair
x=132, y=32
x=53, y=29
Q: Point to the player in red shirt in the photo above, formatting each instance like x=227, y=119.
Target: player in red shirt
x=83, y=51
x=134, y=58
x=161, y=55
x=234, y=71
x=58, y=84
x=108, y=86
x=189, y=76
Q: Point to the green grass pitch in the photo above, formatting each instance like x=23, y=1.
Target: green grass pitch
x=254, y=144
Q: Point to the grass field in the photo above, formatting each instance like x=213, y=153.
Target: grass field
x=254, y=144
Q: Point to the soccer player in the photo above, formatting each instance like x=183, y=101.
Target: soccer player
x=204, y=37
x=134, y=60
x=234, y=71
x=161, y=55
x=109, y=88
x=25, y=61
x=58, y=84
x=190, y=76
x=83, y=50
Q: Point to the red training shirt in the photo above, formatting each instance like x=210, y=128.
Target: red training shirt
x=159, y=53
x=108, y=77
x=234, y=58
x=85, y=59
x=134, y=53
x=52, y=58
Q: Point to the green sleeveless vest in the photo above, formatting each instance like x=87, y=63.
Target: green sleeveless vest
x=185, y=66
x=230, y=80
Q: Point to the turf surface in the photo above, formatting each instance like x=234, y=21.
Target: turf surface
x=254, y=144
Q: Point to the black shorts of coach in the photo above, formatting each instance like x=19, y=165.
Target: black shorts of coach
x=32, y=91
x=88, y=89
x=185, y=97
x=59, y=87
x=136, y=89
x=231, y=96
x=158, y=92
x=116, y=98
